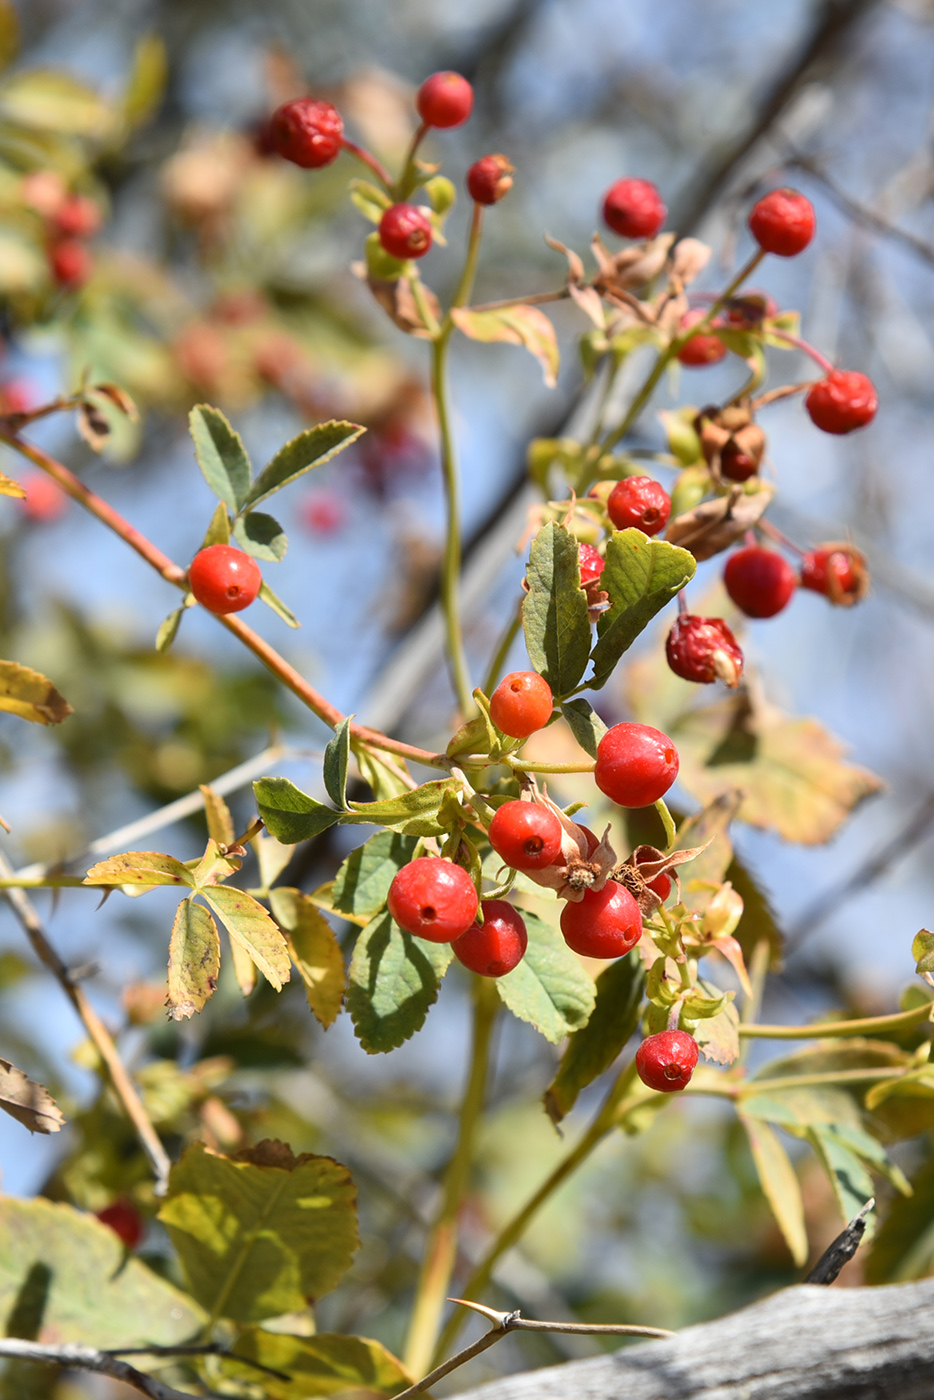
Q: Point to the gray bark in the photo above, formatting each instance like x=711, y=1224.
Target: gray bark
x=806, y=1343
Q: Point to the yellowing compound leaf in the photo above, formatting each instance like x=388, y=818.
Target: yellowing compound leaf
x=321, y=1366
x=217, y=815
x=262, y=1233
x=30, y=695
x=780, y=1185
x=514, y=325
x=148, y=868
x=65, y=1277
x=9, y=487
x=252, y=929
x=315, y=952
x=28, y=1102
x=194, y=960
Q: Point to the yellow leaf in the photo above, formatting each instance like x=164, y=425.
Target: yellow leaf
x=194, y=960
x=252, y=928
x=30, y=695
x=315, y=952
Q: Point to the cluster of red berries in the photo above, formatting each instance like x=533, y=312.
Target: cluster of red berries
x=71, y=261
x=761, y=582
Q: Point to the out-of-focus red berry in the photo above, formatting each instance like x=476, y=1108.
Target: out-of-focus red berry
x=307, y=132
x=634, y=208
x=489, y=178
x=405, y=231
x=324, y=513
x=760, y=581
x=783, y=222
x=71, y=263
x=702, y=349
x=78, y=217
x=125, y=1220
x=44, y=500
x=445, y=99
x=841, y=403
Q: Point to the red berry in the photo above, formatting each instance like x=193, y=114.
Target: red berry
x=78, y=217
x=701, y=349
x=636, y=764
x=489, y=178
x=44, y=501
x=323, y=513
x=307, y=132
x=634, y=209
x=737, y=465
x=842, y=402
x=703, y=649
x=444, y=99
x=639, y=502
x=71, y=263
x=125, y=1221
x=783, y=222
x=405, y=232
x=526, y=835
x=604, y=924
x=661, y=886
x=760, y=581
x=591, y=563
x=837, y=571
x=521, y=704
x=17, y=396
x=224, y=579
x=666, y=1061
x=434, y=899
x=496, y=946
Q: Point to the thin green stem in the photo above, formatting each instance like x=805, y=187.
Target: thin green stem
x=441, y=1248
x=503, y=647
x=869, y=1025
x=465, y=285
x=46, y=882
x=421, y=301
x=451, y=565
x=668, y=822
x=750, y=1087
x=514, y=1229
x=522, y=765
x=407, y=180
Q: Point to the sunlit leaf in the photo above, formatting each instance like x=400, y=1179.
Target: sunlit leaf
x=315, y=952
x=221, y=455
x=28, y=1102
x=320, y=1366
x=261, y=536
x=593, y=1049
x=514, y=325
x=641, y=576
x=393, y=981
x=30, y=695
x=139, y=868
x=549, y=988
x=312, y=448
x=554, y=611
x=290, y=814
x=336, y=759
x=780, y=1185
x=413, y=813
x=194, y=960
x=251, y=927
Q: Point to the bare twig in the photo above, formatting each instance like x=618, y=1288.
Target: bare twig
x=504, y=1323
x=123, y=1085
x=90, y=1359
x=203, y=1349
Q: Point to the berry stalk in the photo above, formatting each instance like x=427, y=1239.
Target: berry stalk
x=451, y=564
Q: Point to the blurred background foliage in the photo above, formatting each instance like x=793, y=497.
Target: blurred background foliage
x=210, y=271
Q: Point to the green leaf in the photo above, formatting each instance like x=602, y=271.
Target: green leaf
x=312, y=448
x=393, y=981
x=139, y=868
x=369, y=199
x=681, y=435
x=689, y=490
x=922, y=950
x=549, y=988
x=363, y=881
x=9, y=33
x=261, y=536
x=779, y=1185
x=641, y=576
x=290, y=814
x=252, y=929
x=194, y=960
x=514, y=325
x=315, y=952
x=413, y=813
x=30, y=695
x=336, y=759
x=218, y=532
x=903, y=1246
x=442, y=194
x=851, y=1182
x=593, y=1048
x=554, y=611
x=584, y=723
x=65, y=1277
x=221, y=456
x=146, y=82
x=50, y=100
x=324, y=1365
x=28, y=1102
x=380, y=265
x=272, y=600
x=168, y=630
x=260, y=1234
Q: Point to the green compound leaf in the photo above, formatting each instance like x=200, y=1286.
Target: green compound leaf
x=315, y=952
x=903, y=1247
x=312, y=448
x=394, y=980
x=221, y=455
x=320, y=1366
x=260, y=1234
x=65, y=1277
x=336, y=759
x=549, y=988
x=363, y=880
x=413, y=813
x=593, y=1049
x=291, y=815
x=261, y=536
x=641, y=576
x=272, y=600
x=585, y=724
x=851, y=1182
x=779, y=1185
x=252, y=929
x=194, y=960
x=554, y=612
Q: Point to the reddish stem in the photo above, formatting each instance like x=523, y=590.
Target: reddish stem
x=369, y=159
x=807, y=349
x=775, y=534
x=172, y=573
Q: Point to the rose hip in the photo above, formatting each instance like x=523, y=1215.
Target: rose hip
x=526, y=835
x=307, y=132
x=838, y=571
x=604, y=924
x=433, y=899
x=489, y=179
x=783, y=222
x=496, y=946
x=223, y=579
x=634, y=209
x=841, y=403
x=760, y=581
x=445, y=99
x=702, y=349
x=667, y=1061
x=636, y=764
x=521, y=704
x=703, y=649
x=639, y=502
x=405, y=231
